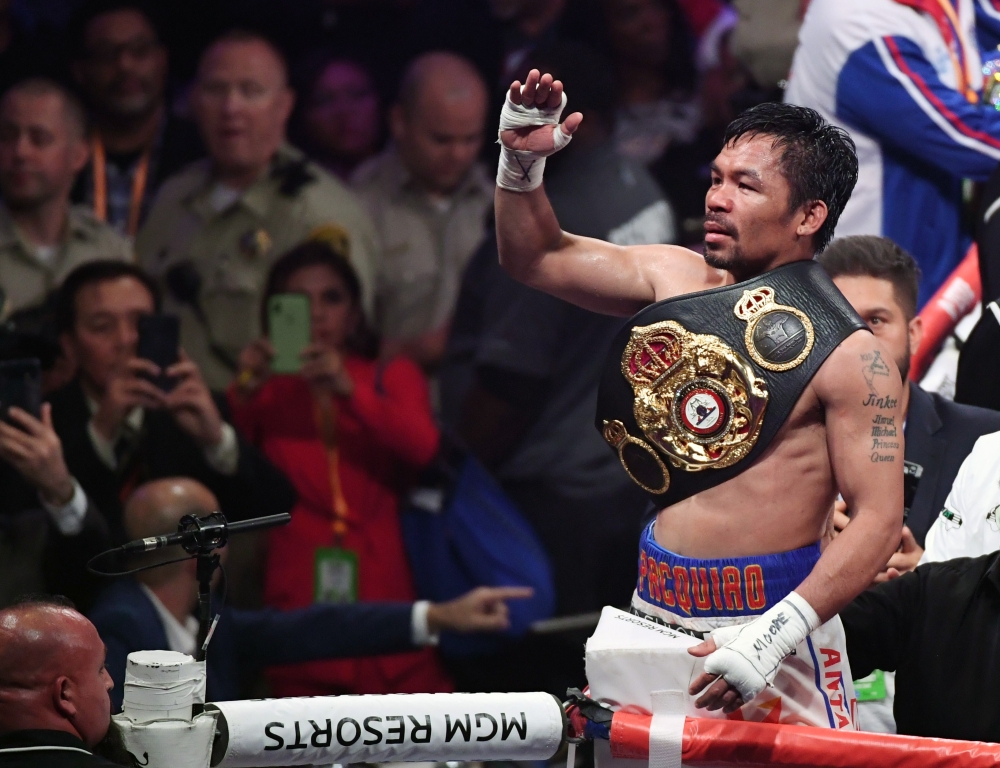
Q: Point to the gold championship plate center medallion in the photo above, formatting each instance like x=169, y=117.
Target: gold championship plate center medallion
x=696, y=400
x=777, y=337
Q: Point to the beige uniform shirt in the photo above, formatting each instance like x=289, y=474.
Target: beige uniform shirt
x=425, y=243
x=28, y=274
x=211, y=248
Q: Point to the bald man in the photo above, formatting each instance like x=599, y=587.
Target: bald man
x=430, y=200
x=42, y=237
x=54, y=705
x=154, y=611
x=217, y=226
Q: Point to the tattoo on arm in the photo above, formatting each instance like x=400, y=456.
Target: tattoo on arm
x=884, y=434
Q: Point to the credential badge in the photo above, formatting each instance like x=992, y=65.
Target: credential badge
x=778, y=337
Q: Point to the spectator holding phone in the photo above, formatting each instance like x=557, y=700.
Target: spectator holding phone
x=119, y=428
x=48, y=526
x=348, y=430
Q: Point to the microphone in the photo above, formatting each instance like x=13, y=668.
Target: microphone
x=197, y=533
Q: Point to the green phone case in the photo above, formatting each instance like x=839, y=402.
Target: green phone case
x=288, y=320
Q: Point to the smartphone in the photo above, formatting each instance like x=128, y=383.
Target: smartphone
x=159, y=342
x=289, y=331
x=21, y=386
x=912, y=472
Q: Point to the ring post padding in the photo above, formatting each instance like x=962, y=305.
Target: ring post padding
x=733, y=742
x=422, y=727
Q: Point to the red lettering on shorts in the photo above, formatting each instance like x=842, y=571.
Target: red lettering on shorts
x=666, y=593
x=754, y=576
x=681, y=588
x=699, y=588
x=654, y=581
x=731, y=588
x=716, y=594
x=831, y=656
x=835, y=684
x=642, y=572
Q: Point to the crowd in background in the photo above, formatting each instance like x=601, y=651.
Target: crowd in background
x=200, y=159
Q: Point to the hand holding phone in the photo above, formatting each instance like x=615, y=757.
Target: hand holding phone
x=20, y=386
x=289, y=330
x=159, y=342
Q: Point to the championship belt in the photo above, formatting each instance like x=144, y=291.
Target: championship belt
x=696, y=387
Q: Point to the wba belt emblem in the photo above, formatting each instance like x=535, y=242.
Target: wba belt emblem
x=696, y=400
x=778, y=337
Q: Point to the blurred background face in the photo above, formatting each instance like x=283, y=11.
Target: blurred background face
x=343, y=115
x=242, y=103
x=639, y=30
x=439, y=135
x=106, y=331
x=507, y=10
x=41, y=149
x=747, y=221
x=125, y=68
x=333, y=312
x=875, y=300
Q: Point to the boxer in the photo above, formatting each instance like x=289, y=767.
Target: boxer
x=743, y=395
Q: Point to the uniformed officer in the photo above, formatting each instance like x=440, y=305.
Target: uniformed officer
x=430, y=200
x=217, y=226
x=42, y=237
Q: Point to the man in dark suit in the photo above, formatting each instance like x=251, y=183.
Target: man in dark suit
x=119, y=428
x=880, y=280
x=153, y=611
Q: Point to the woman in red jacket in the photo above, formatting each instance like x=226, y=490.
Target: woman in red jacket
x=349, y=431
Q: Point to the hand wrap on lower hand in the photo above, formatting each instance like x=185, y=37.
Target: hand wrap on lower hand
x=749, y=655
x=521, y=170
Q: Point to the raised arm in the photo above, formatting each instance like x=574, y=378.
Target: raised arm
x=593, y=274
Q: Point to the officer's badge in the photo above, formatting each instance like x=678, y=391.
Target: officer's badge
x=696, y=400
x=255, y=243
x=335, y=236
x=778, y=337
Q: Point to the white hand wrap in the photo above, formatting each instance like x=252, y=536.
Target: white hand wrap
x=749, y=655
x=521, y=170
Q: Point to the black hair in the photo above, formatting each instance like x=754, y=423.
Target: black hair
x=86, y=13
x=96, y=272
x=819, y=160
x=321, y=252
x=878, y=257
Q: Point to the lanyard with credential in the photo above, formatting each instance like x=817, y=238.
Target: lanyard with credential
x=139, y=179
x=950, y=27
x=326, y=420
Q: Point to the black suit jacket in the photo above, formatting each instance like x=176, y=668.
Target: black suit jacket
x=164, y=450
x=939, y=435
x=246, y=641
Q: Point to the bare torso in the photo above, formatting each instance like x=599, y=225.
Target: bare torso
x=781, y=502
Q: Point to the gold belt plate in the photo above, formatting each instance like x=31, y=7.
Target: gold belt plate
x=696, y=399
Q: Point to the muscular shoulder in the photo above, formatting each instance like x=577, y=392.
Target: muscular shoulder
x=676, y=271
x=859, y=367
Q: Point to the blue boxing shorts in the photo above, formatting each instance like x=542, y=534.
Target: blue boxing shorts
x=814, y=684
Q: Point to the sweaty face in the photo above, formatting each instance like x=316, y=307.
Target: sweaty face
x=747, y=221
x=242, y=104
x=125, y=66
x=875, y=300
x=440, y=137
x=333, y=313
x=106, y=331
x=41, y=150
x=343, y=114
x=639, y=30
